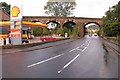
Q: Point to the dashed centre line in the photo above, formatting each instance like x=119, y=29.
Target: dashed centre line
x=44, y=60
x=77, y=48
x=72, y=50
x=68, y=63
x=82, y=44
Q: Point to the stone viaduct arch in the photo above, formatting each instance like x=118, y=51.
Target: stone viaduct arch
x=80, y=21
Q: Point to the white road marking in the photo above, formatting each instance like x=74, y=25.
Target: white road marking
x=59, y=72
x=86, y=41
x=77, y=47
x=68, y=63
x=84, y=49
x=44, y=60
x=73, y=49
x=82, y=44
x=76, y=56
x=88, y=44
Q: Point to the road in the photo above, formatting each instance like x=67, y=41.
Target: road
x=80, y=58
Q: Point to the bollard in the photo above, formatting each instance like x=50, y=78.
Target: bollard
x=66, y=35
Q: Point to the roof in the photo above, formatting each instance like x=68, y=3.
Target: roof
x=4, y=15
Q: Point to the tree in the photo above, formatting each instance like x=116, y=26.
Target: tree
x=111, y=21
x=5, y=7
x=60, y=31
x=75, y=32
x=59, y=8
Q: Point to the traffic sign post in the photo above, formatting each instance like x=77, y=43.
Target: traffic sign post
x=16, y=24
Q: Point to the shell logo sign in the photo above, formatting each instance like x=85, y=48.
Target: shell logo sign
x=15, y=11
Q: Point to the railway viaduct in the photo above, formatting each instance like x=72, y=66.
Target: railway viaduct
x=80, y=22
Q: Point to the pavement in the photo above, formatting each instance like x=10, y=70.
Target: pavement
x=38, y=47
x=35, y=40
x=112, y=44
x=80, y=58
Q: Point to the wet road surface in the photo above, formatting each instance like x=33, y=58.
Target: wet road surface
x=80, y=58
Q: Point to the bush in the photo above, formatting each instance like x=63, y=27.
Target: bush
x=37, y=31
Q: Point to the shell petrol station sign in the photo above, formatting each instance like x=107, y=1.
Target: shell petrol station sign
x=16, y=24
x=15, y=11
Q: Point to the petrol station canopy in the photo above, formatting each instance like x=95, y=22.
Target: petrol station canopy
x=24, y=23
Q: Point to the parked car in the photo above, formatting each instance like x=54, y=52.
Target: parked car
x=47, y=38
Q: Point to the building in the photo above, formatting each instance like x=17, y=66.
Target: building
x=4, y=16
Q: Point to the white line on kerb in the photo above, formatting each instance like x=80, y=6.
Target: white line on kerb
x=69, y=63
x=45, y=60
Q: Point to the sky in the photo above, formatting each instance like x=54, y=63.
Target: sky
x=84, y=8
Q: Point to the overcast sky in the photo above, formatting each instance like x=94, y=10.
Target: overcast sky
x=84, y=8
